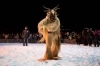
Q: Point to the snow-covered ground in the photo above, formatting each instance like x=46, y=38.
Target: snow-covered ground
x=15, y=54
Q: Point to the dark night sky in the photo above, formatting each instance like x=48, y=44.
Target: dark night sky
x=14, y=16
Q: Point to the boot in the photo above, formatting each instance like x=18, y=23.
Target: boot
x=23, y=44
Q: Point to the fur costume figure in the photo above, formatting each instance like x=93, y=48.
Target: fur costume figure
x=50, y=29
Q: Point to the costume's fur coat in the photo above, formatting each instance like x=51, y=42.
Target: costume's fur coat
x=52, y=39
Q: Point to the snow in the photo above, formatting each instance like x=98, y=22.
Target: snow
x=15, y=54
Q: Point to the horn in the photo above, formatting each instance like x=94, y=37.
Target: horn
x=46, y=7
x=56, y=8
x=45, y=10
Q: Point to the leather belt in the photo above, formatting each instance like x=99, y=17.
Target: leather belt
x=51, y=32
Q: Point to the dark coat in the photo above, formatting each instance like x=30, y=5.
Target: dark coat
x=25, y=33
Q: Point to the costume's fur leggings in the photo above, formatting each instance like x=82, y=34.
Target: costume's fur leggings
x=52, y=45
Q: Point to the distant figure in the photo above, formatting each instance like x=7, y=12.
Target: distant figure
x=25, y=34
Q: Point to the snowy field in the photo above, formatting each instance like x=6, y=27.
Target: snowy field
x=15, y=54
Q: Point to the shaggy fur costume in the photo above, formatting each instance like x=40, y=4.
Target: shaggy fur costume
x=51, y=35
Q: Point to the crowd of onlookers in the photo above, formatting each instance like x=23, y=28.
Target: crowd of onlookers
x=34, y=37
x=17, y=37
x=83, y=37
